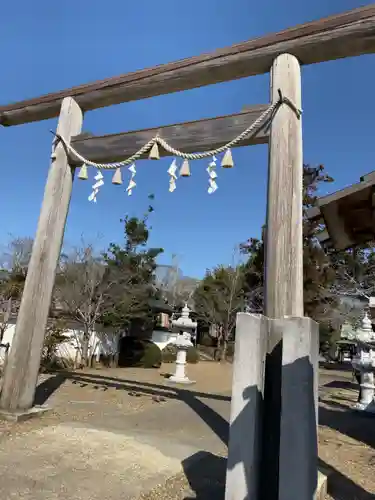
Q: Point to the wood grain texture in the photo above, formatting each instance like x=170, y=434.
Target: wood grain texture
x=284, y=250
x=24, y=359
x=189, y=137
x=343, y=35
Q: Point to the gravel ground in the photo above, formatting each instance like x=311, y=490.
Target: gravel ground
x=84, y=395
x=204, y=481
x=347, y=444
x=346, y=438
x=346, y=450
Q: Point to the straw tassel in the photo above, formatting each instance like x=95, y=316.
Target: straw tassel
x=154, y=153
x=227, y=161
x=117, y=177
x=83, y=175
x=185, y=169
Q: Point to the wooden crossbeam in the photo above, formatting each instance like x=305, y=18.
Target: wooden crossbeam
x=343, y=35
x=189, y=137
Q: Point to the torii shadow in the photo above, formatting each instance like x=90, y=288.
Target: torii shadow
x=205, y=471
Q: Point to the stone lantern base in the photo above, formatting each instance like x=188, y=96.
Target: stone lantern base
x=370, y=408
x=180, y=376
x=177, y=380
x=366, y=402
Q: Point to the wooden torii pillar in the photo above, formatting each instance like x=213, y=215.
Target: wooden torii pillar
x=22, y=370
x=284, y=249
x=283, y=298
x=257, y=389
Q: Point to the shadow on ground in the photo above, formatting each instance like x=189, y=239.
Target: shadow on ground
x=340, y=487
x=206, y=472
x=210, y=484
x=342, y=367
x=101, y=382
x=46, y=388
x=159, y=392
x=357, y=425
x=342, y=384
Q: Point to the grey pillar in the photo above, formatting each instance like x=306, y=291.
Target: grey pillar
x=244, y=451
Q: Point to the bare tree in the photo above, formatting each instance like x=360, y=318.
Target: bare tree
x=254, y=300
x=177, y=291
x=5, y=315
x=80, y=290
x=17, y=254
x=219, y=297
x=352, y=288
x=14, y=261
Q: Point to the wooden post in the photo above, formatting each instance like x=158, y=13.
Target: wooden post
x=284, y=250
x=24, y=358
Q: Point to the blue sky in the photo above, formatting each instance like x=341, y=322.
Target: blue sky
x=54, y=45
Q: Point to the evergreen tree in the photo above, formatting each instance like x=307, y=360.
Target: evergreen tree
x=131, y=273
x=318, y=273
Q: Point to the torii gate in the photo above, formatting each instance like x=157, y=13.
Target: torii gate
x=344, y=35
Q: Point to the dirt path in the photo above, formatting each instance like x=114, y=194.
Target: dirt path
x=120, y=401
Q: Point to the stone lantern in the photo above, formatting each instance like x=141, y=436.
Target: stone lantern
x=186, y=327
x=182, y=344
x=184, y=323
x=364, y=363
x=365, y=333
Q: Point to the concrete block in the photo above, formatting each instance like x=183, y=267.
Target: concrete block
x=321, y=487
x=244, y=450
x=298, y=458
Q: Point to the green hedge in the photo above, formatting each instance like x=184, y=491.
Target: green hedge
x=169, y=353
x=139, y=352
x=208, y=341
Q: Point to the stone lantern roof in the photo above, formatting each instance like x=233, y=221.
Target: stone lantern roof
x=184, y=322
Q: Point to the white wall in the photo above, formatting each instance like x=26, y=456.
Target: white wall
x=102, y=342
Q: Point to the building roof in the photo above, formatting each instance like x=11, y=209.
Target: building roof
x=348, y=214
x=160, y=306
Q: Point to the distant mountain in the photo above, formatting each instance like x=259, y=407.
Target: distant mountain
x=171, y=280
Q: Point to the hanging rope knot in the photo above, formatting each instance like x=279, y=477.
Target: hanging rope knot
x=286, y=100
